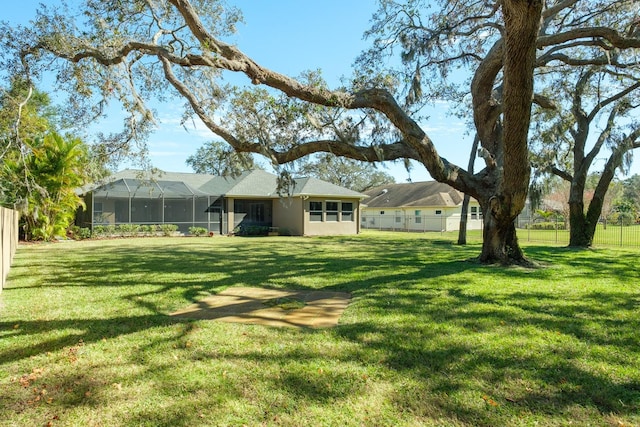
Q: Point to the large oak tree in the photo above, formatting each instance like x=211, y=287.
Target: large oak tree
x=596, y=119
x=131, y=50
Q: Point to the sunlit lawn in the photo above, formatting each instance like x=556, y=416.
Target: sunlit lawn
x=611, y=235
x=430, y=338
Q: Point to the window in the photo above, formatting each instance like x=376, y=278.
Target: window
x=97, y=211
x=256, y=212
x=474, y=212
x=438, y=212
x=418, y=214
x=331, y=211
x=381, y=212
x=315, y=211
x=347, y=211
x=398, y=217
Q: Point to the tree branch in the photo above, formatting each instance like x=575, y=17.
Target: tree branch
x=383, y=152
x=606, y=33
x=600, y=105
x=561, y=173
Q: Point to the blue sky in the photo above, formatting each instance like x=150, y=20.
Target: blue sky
x=288, y=36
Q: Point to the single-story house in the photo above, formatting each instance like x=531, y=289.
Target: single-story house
x=418, y=206
x=221, y=204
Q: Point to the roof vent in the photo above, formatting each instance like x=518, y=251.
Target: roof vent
x=384, y=191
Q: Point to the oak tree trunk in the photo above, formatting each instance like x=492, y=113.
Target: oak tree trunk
x=499, y=239
x=464, y=214
x=581, y=230
x=500, y=243
x=583, y=225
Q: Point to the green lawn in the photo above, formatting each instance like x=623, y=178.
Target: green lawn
x=611, y=235
x=430, y=337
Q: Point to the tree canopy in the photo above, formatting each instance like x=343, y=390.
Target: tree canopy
x=217, y=158
x=596, y=116
x=41, y=169
x=357, y=176
x=132, y=50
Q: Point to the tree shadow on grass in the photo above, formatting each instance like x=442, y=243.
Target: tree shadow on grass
x=508, y=351
x=416, y=314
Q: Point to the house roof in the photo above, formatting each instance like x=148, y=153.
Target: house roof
x=255, y=183
x=415, y=194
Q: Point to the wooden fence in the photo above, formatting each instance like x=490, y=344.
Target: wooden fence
x=9, y=240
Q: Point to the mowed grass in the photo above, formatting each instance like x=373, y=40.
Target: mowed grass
x=430, y=338
x=611, y=235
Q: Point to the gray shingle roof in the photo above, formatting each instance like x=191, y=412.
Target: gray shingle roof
x=415, y=194
x=317, y=187
x=256, y=183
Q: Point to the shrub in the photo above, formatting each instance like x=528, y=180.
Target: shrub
x=145, y=230
x=622, y=218
x=547, y=226
x=83, y=233
x=198, y=231
x=79, y=233
x=110, y=230
x=128, y=229
x=168, y=229
x=98, y=230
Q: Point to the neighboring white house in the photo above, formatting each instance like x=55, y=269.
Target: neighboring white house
x=417, y=206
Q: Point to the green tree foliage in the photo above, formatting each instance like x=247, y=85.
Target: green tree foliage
x=137, y=49
x=23, y=111
x=43, y=184
x=631, y=191
x=218, y=158
x=595, y=114
x=40, y=169
x=357, y=176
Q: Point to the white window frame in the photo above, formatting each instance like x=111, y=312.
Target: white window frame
x=332, y=215
x=350, y=215
x=314, y=212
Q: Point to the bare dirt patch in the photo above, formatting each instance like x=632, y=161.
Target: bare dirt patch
x=272, y=307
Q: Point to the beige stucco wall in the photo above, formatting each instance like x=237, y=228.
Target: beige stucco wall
x=331, y=228
x=288, y=215
x=291, y=215
x=229, y=214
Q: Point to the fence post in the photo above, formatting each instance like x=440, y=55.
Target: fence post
x=8, y=241
x=620, y=230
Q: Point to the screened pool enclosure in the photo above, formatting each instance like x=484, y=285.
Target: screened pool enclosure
x=146, y=202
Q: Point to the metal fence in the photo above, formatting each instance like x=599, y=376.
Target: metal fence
x=608, y=233
x=554, y=231
x=9, y=240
